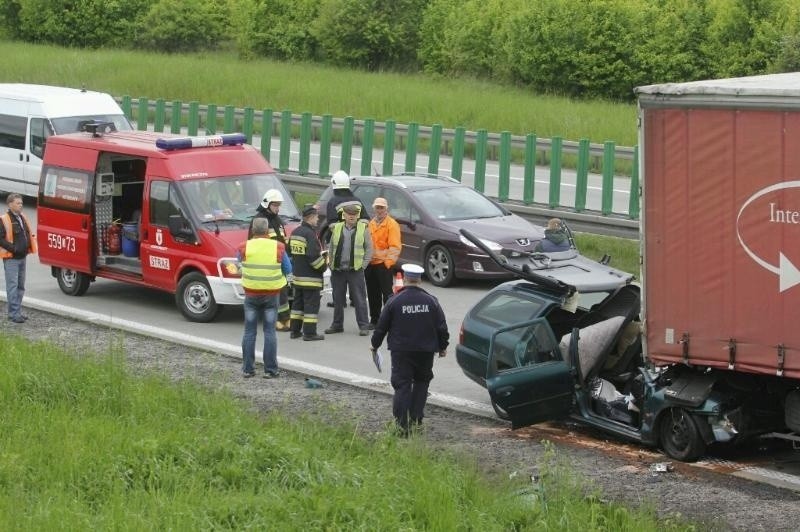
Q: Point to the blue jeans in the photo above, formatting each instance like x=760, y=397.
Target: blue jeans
x=15, y=285
x=266, y=308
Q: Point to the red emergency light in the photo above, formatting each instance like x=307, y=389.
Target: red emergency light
x=182, y=143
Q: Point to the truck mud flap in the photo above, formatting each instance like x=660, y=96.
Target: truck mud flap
x=690, y=390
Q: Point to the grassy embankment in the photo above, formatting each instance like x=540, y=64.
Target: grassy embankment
x=87, y=446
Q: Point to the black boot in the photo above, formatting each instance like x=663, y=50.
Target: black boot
x=310, y=332
x=294, y=328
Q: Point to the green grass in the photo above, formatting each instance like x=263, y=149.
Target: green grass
x=222, y=79
x=86, y=446
x=624, y=252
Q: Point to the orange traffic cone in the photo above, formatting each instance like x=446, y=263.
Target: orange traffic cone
x=398, y=283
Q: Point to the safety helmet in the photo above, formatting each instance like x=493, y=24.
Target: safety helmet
x=340, y=180
x=270, y=196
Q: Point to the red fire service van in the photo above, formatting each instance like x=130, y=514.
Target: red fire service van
x=153, y=210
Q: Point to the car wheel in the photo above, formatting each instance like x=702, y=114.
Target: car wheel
x=195, y=299
x=502, y=414
x=680, y=438
x=73, y=283
x=440, y=268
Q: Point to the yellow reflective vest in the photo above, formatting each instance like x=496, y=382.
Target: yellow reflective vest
x=261, y=269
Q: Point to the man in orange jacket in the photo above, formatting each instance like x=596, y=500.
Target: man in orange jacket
x=386, y=246
x=16, y=241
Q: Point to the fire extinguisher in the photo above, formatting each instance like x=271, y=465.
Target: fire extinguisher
x=114, y=236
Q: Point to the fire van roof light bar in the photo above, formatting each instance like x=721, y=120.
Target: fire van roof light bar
x=182, y=143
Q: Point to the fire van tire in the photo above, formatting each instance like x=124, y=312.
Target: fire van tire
x=679, y=436
x=195, y=298
x=73, y=283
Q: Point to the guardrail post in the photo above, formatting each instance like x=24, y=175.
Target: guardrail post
x=505, y=166
x=305, y=143
x=366, y=146
x=158, y=124
x=266, y=133
x=286, y=140
x=175, y=117
x=211, y=119
x=347, y=144
x=633, y=202
x=325, y=146
x=582, y=175
x=388, y=148
x=126, y=107
x=529, y=177
x=247, y=127
x=194, y=118
x=227, y=126
x=457, y=165
x=411, y=148
x=480, y=160
x=435, y=149
x=555, y=172
x=141, y=114
x=608, y=178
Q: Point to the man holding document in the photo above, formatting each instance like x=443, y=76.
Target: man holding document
x=416, y=326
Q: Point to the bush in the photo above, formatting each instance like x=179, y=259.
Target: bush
x=178, y=26
x=276, y=28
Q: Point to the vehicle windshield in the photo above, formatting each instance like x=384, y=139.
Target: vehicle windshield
x=72, y=124
x=233, y=198
x=457, y=203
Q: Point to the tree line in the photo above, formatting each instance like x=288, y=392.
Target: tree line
x=576, y=48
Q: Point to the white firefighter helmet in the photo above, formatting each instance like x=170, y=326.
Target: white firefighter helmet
x=340, y=180
x=270, y=196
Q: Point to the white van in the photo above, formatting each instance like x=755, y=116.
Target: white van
x=29, y=114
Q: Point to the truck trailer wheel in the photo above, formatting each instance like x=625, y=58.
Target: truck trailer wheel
x=680, y=438
x=792, y=411
x=71, y=282
x=195, y=299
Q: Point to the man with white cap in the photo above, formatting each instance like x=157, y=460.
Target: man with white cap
x=417, y=328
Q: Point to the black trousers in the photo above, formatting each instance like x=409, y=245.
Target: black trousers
x=412, y=373
x=379, y=289
x=305, y=308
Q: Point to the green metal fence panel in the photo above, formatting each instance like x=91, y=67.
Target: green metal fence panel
x=247, y=127
x=347, y=144
x=266, y=133
x=607, y=204
x=141, y=114
x=366, y=146
x=633, y=202
x=481, y=142
x=388, y=148
x=529, y=177
x=555, y=172
x=228, y=121
x=505, y=165
x=175, y=117
x=211, y=119
x=286, y=140
x=305, y=143
x=325, y=146
x=458, y=154
x=582, y=175
x=411, y=148
x=158, y=123
x=194, y=118
x=435, y=149
x=126, y=107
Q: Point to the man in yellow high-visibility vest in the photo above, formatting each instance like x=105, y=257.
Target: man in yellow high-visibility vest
x=265, y=265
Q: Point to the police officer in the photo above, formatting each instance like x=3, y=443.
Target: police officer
x=417, y=329
x=308, y=265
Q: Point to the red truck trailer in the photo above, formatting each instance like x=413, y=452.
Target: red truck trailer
x=720, y=167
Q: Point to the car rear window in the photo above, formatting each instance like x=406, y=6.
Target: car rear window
x=504, y=308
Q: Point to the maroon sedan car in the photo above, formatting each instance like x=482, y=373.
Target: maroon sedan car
x=431, y=211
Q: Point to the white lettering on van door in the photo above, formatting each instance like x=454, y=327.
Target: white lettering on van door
x=161, y=263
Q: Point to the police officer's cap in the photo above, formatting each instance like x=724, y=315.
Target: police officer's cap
x=412, y=271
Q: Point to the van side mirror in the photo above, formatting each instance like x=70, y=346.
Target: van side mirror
x=408, y=223
x=180, y=229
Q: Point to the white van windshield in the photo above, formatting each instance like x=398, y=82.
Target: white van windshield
x=72, y=124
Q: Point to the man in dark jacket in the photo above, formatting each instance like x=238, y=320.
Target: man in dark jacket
x=417, y=328
x=16, y=241
x=308, y=265
x=340, y=183
x=269, y=208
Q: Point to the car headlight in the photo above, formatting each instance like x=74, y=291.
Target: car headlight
x=494, y=246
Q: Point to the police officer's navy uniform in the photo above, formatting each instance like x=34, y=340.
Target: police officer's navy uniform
x=308, y=265
x=417, y=328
